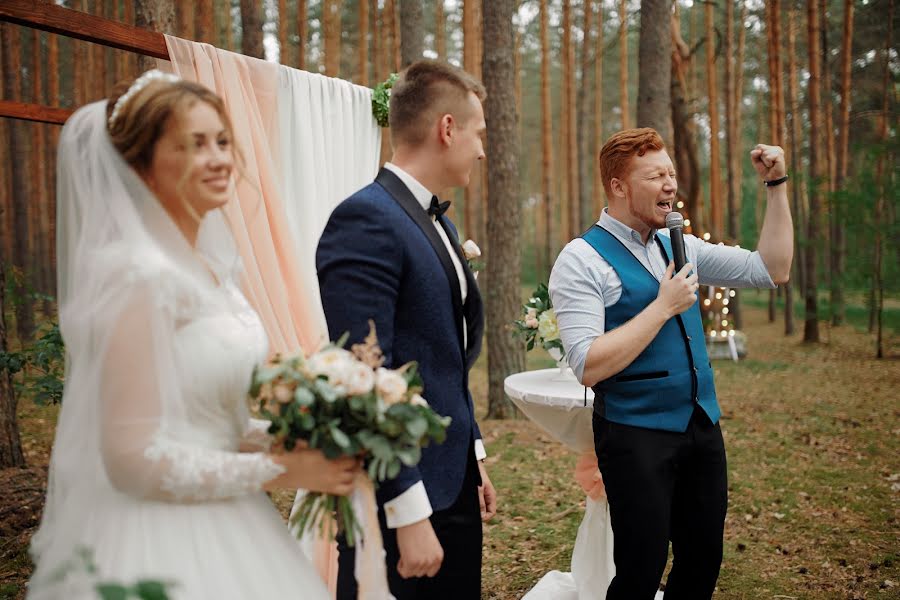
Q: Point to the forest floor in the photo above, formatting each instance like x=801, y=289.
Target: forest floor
x=813, y=439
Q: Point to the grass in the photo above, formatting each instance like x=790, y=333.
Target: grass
x=813, y=438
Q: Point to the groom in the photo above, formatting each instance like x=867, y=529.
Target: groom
x=632, y=329
x=389, y=254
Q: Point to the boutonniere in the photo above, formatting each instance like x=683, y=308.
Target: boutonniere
x=472, y=252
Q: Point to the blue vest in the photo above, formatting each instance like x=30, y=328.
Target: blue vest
x=660, y=388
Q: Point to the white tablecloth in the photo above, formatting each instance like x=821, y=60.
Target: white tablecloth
x=563, y=408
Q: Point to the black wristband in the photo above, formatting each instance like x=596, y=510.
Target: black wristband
x=775, y=182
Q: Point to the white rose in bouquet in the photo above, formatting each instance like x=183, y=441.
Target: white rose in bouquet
x=360, y=379
x=547, y=326
x=334, y=363
x=391, y=386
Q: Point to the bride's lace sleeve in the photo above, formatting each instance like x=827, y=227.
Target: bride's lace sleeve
x=142, y=413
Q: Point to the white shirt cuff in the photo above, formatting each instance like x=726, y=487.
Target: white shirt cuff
x=409, y=507
x=480, y=452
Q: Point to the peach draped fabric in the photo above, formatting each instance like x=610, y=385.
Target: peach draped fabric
x=272, y=276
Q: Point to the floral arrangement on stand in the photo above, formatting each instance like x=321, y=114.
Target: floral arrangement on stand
x=345, y=403
x=538, y=326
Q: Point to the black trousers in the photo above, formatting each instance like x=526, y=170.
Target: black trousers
x=458, y=529
x=664, y=486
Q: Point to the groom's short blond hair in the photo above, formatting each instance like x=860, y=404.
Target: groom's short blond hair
x=425, y=91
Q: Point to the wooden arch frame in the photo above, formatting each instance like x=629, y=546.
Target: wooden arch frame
x=46, y=16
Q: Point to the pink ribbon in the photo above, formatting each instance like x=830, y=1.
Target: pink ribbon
x=588, y=476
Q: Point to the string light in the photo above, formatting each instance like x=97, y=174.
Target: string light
x=687, y=222
x=718, y=295
x=725, y=310
x=725, y=301
x=706, y=302
x=679, y=204
x=724, y=322
x=706, y=236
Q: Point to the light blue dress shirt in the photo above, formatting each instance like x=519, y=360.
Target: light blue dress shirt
x=583, y=284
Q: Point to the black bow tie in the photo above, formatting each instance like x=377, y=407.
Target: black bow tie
x=437, y=207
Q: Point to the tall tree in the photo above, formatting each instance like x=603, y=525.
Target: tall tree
x=11, y=454
x=331, y=25
x=687, y=163
x=40, y=200
x=598, y=194
x=795, y=144
x=21, y=190
x=505, y=355
x=731, y=132
x=440, y=30
x=363, y=43
x=302, y=33
x=283, y=33
x=571, y=137
x=715, y=173
x=813, y=229
x=392, y=7
x=185, y=19
x=777, y=126
x=882, y=178
x=224, y=24
x=838, y=243
x=623, y=64
x=251, y=29
x=565, y=156
x=655, y=67
x=206, y=22
x=155, y=15
x=473, y=195
x=547, y=196
x=412, y=34
x=54, y=98
x=584, y=109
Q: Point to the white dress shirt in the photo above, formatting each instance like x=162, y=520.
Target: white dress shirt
x=413, y=505
x=583, y=284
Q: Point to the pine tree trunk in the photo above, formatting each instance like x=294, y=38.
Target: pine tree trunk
x=363, y=43
x=18, y=148
x=565, y=158
x=795, y=147
x=546, y=140
x=731, y=142
x=505, y=354
x=654, y=67
x=737, y=111
x=598, y=193
x=40, y=202
x=283, y=33
x=715, y=173
x=185, y=18
x=582, y=131
x=206, y=23
x=155, y=15
x=412, y=35
x=473, y=195
x=838, y=243
x=395, y=33
x=813, y=230
x=571, y=137
x=224, y=25
x=687, y=164
x=440, y=30
x=881, y=177
x=331, y=25
x=302, y=33
x=623, y=64
x=10, y=443
x=251, y=29
x=53, y=97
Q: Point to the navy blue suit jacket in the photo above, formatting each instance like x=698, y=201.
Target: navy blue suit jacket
x=381, y=258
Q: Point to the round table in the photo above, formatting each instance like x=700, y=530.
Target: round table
x=562, y=407
x=557, y=403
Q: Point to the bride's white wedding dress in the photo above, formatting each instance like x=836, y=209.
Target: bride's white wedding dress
x=188, y=508
x=147, y=471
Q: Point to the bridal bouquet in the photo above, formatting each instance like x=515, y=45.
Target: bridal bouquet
x=538, y=324
x=345, y=403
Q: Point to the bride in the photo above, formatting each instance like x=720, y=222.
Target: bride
x=154, y=468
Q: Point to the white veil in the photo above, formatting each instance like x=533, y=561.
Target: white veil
x=124, y=272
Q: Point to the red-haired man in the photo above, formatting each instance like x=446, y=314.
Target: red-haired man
x=632, y=330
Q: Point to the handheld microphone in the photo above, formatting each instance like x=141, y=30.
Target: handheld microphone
x=674, y=221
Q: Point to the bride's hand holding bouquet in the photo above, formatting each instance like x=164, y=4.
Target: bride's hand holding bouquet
x=347, y=406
